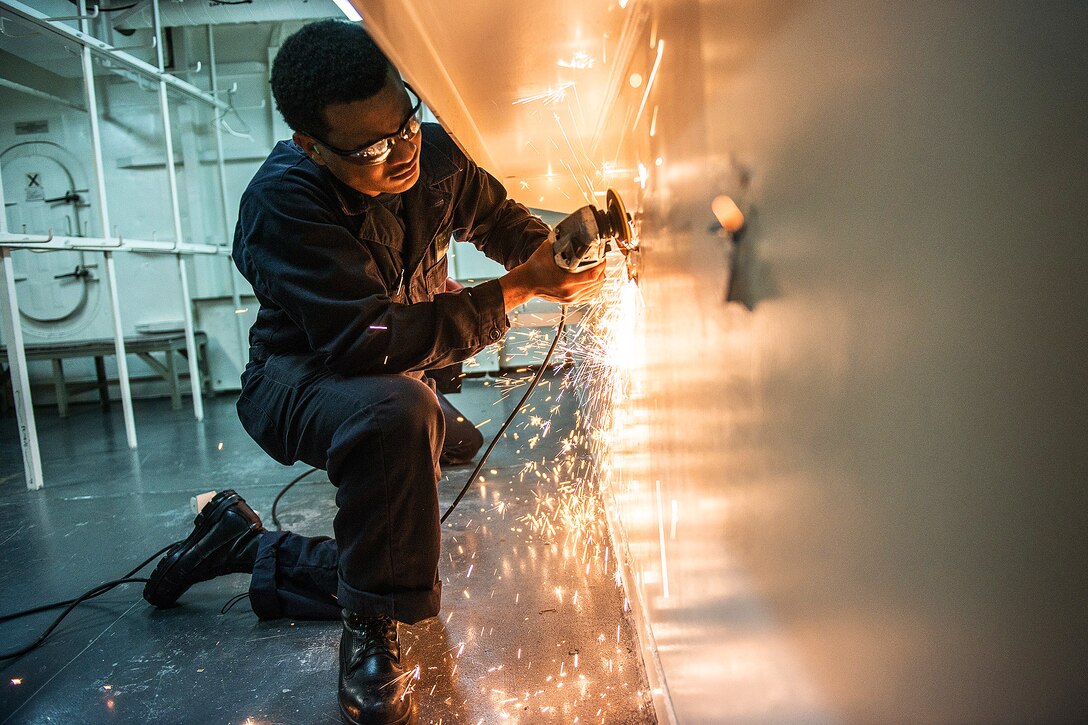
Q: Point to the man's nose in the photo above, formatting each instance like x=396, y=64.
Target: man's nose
x=404, y=150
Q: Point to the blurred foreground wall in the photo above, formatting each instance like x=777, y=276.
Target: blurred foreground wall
x=864, y=499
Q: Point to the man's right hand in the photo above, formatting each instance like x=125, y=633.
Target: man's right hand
x=539, y=276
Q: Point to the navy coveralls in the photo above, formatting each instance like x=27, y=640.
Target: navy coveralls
x=352, y=312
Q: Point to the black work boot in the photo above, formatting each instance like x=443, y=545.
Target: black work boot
x=374, y=688
x=224, y=541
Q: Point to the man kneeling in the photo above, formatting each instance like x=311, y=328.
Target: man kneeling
x=343, y=234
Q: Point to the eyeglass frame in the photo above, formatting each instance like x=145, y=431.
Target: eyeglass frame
x=402, y=134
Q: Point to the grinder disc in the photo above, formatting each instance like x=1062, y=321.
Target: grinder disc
x=618, y=219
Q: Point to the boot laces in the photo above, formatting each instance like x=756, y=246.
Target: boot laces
x=379, y=637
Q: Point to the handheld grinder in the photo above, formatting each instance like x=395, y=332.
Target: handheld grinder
x=583, y=238
x=579, y=242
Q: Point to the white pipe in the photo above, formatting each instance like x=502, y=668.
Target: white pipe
x=12, y=328
x=104, y=219
x=104, y=49
x=119, y=350
x=235, y=296
x=39, y=94
x=175, y=211
x=190, y=341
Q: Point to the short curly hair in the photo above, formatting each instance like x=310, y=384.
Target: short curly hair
x=329, y=61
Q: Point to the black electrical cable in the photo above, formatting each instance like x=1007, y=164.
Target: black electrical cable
x=494, y=441
x=90, y=594
x=284, y=490
x=232, y=601
x=517, y=409
x=66, y=602
x=71, y=604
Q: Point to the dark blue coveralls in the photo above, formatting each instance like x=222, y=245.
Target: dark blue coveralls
x=352, y=313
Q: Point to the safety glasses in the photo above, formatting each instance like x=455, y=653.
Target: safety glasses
x=378, y=151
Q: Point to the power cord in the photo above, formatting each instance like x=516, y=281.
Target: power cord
x=509, y=420
x=71, y=604
x=494, y=441
x=285, y=489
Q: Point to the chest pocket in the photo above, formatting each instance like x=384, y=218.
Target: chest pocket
x=383, y=237
x=430, y=277
x=435, y=277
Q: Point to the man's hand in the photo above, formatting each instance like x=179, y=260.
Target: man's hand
x=541, y=277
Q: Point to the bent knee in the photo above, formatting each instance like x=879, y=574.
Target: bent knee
x=410, y=404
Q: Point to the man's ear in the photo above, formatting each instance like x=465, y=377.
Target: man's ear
x=309, y=146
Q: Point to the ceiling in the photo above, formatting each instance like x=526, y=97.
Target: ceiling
x=550, y=99
x=555, y=98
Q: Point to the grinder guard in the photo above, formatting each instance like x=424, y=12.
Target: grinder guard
x=582, y=239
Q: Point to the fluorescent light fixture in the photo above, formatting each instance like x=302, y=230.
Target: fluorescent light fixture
x=347, y=9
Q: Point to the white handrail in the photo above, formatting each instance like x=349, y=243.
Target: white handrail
x=27, y=240
x=89, y=16
x=99, y=244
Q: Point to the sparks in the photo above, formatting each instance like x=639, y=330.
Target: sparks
x=579, y=61
x=553, y=94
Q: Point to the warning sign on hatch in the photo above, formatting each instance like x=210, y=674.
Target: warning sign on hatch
x=34, y=189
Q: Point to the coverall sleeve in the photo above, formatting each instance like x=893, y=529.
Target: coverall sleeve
x=498, y=226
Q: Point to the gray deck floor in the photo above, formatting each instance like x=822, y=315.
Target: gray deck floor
x=532, y=627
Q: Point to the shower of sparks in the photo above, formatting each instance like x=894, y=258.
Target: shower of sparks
x=581, y=112
x=587, y=192
x=564, y=475
x=579, y=60
x=564, y=472
x=608, y=171
x=554, y=94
